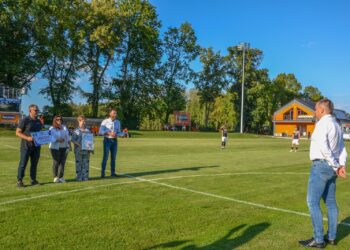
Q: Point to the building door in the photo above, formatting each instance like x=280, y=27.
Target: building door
x=302, y=130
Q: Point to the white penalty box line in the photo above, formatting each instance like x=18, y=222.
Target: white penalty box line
x=156, y=182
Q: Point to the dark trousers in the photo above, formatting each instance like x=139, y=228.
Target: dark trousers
x=59, y=157
x=109, y=145
x=25, y=154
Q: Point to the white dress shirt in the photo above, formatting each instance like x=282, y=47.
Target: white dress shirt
x=327, y=142
x=108, y=125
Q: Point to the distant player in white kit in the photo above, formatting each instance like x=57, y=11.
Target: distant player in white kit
x=295, y=140
x=223, y=137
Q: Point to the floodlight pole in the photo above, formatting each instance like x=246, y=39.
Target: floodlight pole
x=243, y=46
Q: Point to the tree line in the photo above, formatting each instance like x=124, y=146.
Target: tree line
x=131, y=64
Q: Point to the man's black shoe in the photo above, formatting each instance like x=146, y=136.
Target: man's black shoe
x=114, y=175
x=330, y=242
x=34, y=182
x=20, y=184
x=102, y=176
x=312, y=243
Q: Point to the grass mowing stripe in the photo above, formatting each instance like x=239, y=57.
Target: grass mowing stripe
x=174, y=187
x=243, y=173
x=155, y=181
x=131, y=182
x=150, y=216
x=224, y=174
x=228, y=174
x=66, y=192
x=228, y=198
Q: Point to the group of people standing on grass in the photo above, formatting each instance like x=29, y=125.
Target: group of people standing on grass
x=60, y=146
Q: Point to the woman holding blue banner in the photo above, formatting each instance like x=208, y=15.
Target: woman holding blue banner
x=60, y=146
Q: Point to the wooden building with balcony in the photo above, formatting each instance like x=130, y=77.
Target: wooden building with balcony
x=301, y=113
x=297, y=113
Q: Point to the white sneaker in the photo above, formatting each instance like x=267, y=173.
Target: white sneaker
x=291, y=150
x=56, y=180
x=62, y=180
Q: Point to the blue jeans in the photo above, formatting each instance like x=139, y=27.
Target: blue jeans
x=33, y=154
x=322, y=184
x=109, y=145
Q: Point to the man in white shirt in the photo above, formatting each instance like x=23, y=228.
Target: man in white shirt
x=110, y=128
x=328, y=156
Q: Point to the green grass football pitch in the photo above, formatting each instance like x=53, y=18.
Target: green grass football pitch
x=179, y=191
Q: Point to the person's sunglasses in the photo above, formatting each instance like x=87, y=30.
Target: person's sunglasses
x=59, y=119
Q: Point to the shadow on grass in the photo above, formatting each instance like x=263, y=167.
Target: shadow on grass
x=224, y=243
x=139, y=174
x=343, y=230
x=135, y=133
x=303, y=150
x=173, y=170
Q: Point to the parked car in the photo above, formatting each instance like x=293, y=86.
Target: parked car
x=346, y=137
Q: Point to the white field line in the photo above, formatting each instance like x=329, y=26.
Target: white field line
x=9, y=146
x=288, y=138
x=138, y=180
x=229, y=199
x=66, y=192
x=155, y=181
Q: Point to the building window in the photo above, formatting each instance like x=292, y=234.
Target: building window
x=288, y=115
x=8, y=92
x=300, y=112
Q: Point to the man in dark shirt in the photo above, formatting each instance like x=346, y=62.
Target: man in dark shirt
x=223, y=137
x=295, y=140
x=28, y=125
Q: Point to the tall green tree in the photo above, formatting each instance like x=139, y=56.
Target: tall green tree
x=260, y=95
x=179, y=50
x=252, y=61
x=22, y=42
x=223, y=112
x=194, y=107
x=65, y=46
x=135, y=83
x=211, y=80
x=286, y=87
x=102, y=37
x=312, y=93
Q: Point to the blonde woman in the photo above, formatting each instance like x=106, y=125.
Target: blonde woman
x=82, y=157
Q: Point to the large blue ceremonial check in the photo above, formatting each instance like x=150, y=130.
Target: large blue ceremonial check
x=42, y=137
x=87, y=141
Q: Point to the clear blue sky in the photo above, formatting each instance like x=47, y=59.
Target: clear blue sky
x=309, y=38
